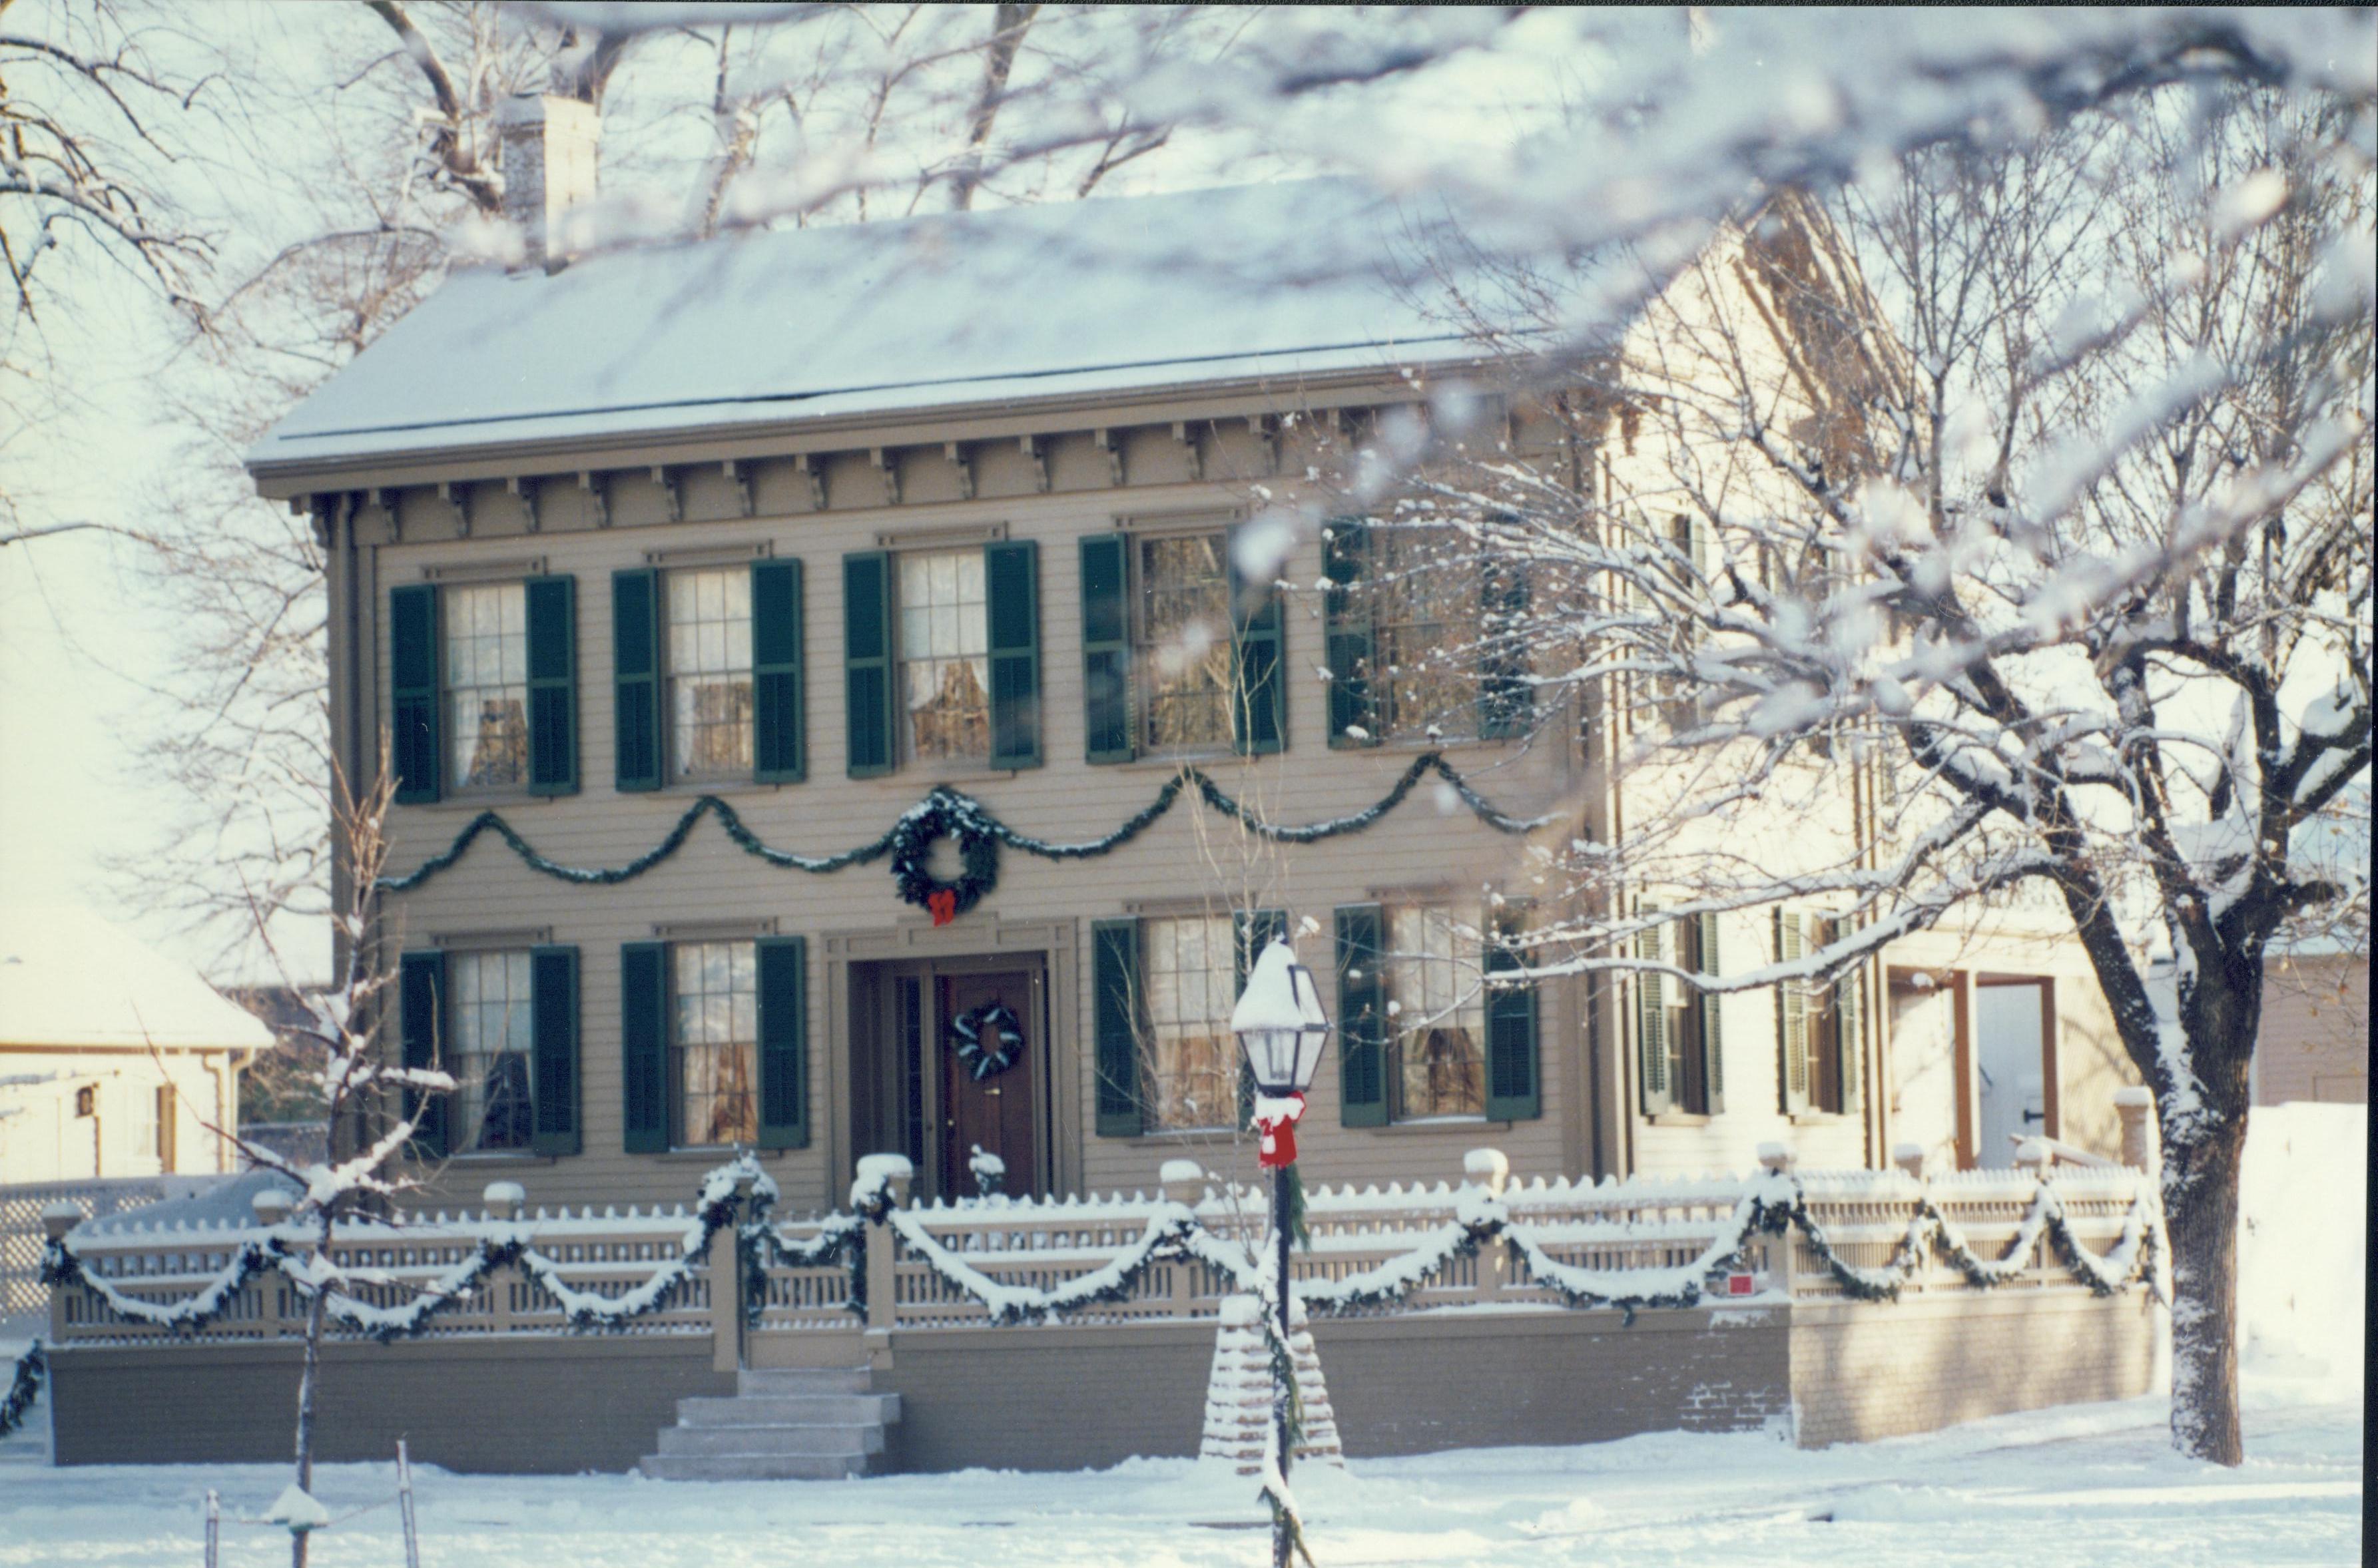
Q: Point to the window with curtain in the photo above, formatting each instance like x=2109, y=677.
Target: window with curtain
x=1183, y=642
x=715, y=1041
x=1436, y=1012
x=490, y=1051
x=1424, y=622
x=487, y=684
x=709, y=661
x=1189, y=968
x=944, y=651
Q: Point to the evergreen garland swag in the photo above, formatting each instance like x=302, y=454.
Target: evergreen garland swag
x=24, y=1388
x=991, y=1039
x=951, y=813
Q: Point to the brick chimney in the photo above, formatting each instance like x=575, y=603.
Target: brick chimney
x=551, y=154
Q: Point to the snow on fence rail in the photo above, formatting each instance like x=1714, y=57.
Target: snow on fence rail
x=1486, y=1242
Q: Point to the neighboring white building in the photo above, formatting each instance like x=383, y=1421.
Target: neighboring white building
x=114, y=1060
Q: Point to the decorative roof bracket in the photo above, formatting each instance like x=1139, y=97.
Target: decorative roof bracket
x=460, y=505
x=1105, y=441
x=887, y=463
x=814, y=472
x=740, y=477
x=1187, y=439
x=1030, y=447
x=963, y=460
x=599, y=499
x=672, y=498
x=527, y=492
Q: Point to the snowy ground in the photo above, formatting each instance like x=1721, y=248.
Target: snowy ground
x=2061, y=1489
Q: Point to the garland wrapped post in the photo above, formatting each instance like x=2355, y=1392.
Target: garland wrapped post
x=24, y=1388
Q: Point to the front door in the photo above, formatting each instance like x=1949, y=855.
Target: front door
x=988, y=1065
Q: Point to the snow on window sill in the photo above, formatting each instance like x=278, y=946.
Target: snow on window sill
x=713, y=1154
x=1436, y=1123
x=1688, y=1118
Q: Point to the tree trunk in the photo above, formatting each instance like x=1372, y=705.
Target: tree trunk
x=2200, y=1214
x=305, y=1384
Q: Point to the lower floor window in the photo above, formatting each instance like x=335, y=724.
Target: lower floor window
x=493, y=1075
x=1191, y=978
x=715, y=1043
x=1436, y=1012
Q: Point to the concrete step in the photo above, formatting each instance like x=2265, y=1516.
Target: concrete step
x=753, y=1467
x=789, y=1410
x=845, y=1439
x=804, y=1380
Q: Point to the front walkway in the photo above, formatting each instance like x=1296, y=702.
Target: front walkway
x=2079, y=1486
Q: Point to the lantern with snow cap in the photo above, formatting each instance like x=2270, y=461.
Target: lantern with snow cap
x=1279, y=1024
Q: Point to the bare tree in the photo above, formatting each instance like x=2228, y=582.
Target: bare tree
x=2013, y=517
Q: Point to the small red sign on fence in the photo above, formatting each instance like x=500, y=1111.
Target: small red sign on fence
x=1738, y=1283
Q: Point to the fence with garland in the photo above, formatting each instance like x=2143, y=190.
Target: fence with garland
x=726, y=1266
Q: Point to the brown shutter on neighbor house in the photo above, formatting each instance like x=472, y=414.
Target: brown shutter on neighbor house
x=1651, y=1020
x=1792, y=1014
x=1849, y=1030
x=1712, y=1014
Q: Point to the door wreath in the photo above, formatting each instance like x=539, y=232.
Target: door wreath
x=990, y=1039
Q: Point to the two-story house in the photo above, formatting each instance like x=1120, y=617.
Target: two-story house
x=873, y=642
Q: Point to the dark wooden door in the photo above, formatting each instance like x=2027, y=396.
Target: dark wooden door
x=995, y=1112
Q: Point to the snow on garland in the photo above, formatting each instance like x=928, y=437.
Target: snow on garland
x=991, y=1039
x=24, y=1388
x=946, y=812
x=499, y=1243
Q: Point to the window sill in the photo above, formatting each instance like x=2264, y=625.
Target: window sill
x=1173, y=761
x=687, y=789
x=1820, y=1118
x=1680, y=1118
x=501, y=1157
x=479, y=801
x=1443, y=1124
x=716, y=1154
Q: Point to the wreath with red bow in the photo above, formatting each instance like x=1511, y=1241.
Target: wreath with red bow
x=934, y=818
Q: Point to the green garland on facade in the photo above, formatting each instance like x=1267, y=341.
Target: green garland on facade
x=24, y=1388
x=953, y=813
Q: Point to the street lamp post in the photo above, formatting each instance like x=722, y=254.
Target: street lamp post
x=1281, y=1031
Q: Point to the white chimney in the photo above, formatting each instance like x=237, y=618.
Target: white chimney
x=552, y=153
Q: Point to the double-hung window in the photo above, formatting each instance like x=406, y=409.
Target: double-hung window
x=490, y=1018
x=487, y=685
x=1428, y=635
x=1181, y=651
x=945, y=650
x=1191, y=975
x=483, y=687
x=1434, y=1023
x=1680, y=1050
x=715, y=1043
x=1437, y=1011
x=709, y=666
x=1820, y=1026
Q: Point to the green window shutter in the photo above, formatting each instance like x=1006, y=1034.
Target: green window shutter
x=1792, y=1014
x=553, y=1032
x=779, y=725
x=867, y=662
x=1361, y=1016
x=1712, y=1042
x=783, y=977
x=1258, y=674
x=552, y=685
x=1250, y=933
x=636, y=680
x=421, y=1009
x=1010, y=580
x=1652, y=1022
x=1115, y=1004
x=1513, y=1080
x=1345, y=558
x=1849, y=1030
x=1506, y=700
x=1106, y=648
x=644, y=1047
x=413, y=692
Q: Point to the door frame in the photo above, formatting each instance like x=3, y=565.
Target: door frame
x=920, y=948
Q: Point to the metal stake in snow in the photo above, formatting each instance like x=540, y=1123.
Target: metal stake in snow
x=404, y=1506
x=1282, y=1030
x=214, y=1528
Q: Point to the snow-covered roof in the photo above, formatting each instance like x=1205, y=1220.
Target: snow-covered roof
x=1072, y=299
x=69, y=978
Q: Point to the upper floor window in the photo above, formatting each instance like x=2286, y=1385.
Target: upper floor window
x=1181, y=645
x=945, y=649
x=709, y=673
x=1426, y=634
x=487, y=685
x=483, y=687
x=491, y=1051
x=1181, y=653
x=715, y=1043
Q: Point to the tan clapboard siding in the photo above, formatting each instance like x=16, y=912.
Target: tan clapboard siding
x=1420, y=846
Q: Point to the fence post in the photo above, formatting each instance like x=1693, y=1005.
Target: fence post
x=403, y=1507
x=1182, y=1182
x=882, y=1259
x=272, y=1206
x=726, y=1268
x=1490, y=1168
x=1782, y=1250
x=57, y=1220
